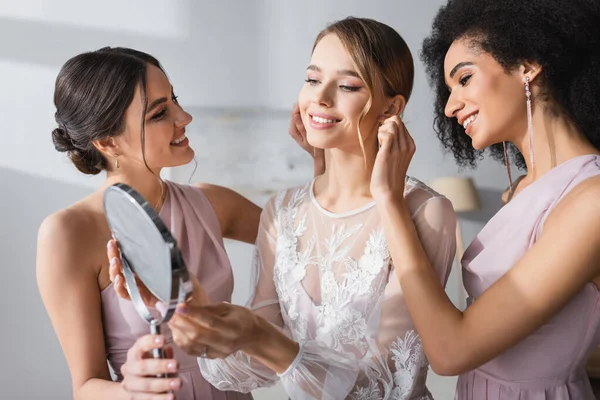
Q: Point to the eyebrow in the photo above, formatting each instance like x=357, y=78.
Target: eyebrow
x=158, y=102
x=155, y=104
x=347, y=72
x=459, y=66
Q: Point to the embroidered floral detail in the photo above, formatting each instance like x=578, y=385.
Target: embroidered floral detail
x=344, y=281
x=409, y=359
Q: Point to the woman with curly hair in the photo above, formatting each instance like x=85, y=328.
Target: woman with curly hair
x=522, y=78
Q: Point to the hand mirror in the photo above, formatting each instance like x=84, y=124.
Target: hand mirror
x=149, y=253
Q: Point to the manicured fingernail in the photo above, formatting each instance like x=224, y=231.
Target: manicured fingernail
x=117, y=280
x=158, y=340
x=108, y=244
x=172, y=366
x=174, y=384
x=113, y=261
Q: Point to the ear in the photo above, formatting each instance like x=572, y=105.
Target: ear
x=395, y=106
x=531, y=70
x=107, y=146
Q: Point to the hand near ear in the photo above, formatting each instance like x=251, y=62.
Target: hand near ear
x=393, y=158
x=298, y=132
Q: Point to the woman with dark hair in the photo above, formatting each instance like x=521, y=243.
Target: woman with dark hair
x=117, y=112
x=522, y=78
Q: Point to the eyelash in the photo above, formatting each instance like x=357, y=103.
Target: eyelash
x=464, y=80
x=161, y=113
x=344, y=88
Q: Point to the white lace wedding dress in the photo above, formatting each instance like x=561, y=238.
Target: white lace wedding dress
x=328, y=281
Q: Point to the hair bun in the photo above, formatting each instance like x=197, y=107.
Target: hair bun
x=62, y=141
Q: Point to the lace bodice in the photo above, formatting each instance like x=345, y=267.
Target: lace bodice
x=328, y=281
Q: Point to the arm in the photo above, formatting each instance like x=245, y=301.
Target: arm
x=238, y=216
x=506, y=313
x=69, y=290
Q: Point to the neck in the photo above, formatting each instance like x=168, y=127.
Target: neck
x=556, y=140
x=143, y=181
x=345, y=183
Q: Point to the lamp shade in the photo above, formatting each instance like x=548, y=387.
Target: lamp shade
x=460, y=191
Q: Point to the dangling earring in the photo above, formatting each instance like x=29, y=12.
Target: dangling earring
x=507, y=163
x=530, y=124
x=116, y=161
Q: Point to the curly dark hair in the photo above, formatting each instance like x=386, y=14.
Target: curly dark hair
x=561, y=36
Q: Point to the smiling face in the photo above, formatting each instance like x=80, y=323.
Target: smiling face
x=165, y=143
x=486, y=99
x=334, y=98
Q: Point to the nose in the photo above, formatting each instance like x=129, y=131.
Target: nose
x=453, y=105
x=323, y=96
x=183, y=119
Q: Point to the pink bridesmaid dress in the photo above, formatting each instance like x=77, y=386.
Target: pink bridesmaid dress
x=190, y=217
x=550, y=363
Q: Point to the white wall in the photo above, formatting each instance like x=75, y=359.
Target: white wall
x=237, y=66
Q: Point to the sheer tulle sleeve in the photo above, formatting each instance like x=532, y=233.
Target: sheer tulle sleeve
x=435, y=221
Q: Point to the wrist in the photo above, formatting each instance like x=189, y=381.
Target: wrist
x=389, y=199
x=271, y=346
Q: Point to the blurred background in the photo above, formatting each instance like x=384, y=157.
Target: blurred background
x=237, y=67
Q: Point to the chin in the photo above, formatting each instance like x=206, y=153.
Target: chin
x=477, y=146
x=479, y=142
x=325, y=140
x=184, y=158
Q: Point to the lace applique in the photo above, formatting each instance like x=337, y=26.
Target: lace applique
x=343, y=279
x=410, y=361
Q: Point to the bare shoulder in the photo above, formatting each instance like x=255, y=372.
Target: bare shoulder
x=69, y=223
x=69, y=238
x=214, y=193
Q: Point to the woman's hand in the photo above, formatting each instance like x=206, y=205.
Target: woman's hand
x=213, y=331
x=140, y=371
x=393, y=158
x=116, y=276
x=298, y=133
x=197, y=299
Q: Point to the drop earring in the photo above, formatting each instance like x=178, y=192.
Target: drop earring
x=507, y=164
x=530, y=124
x=116, y=161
